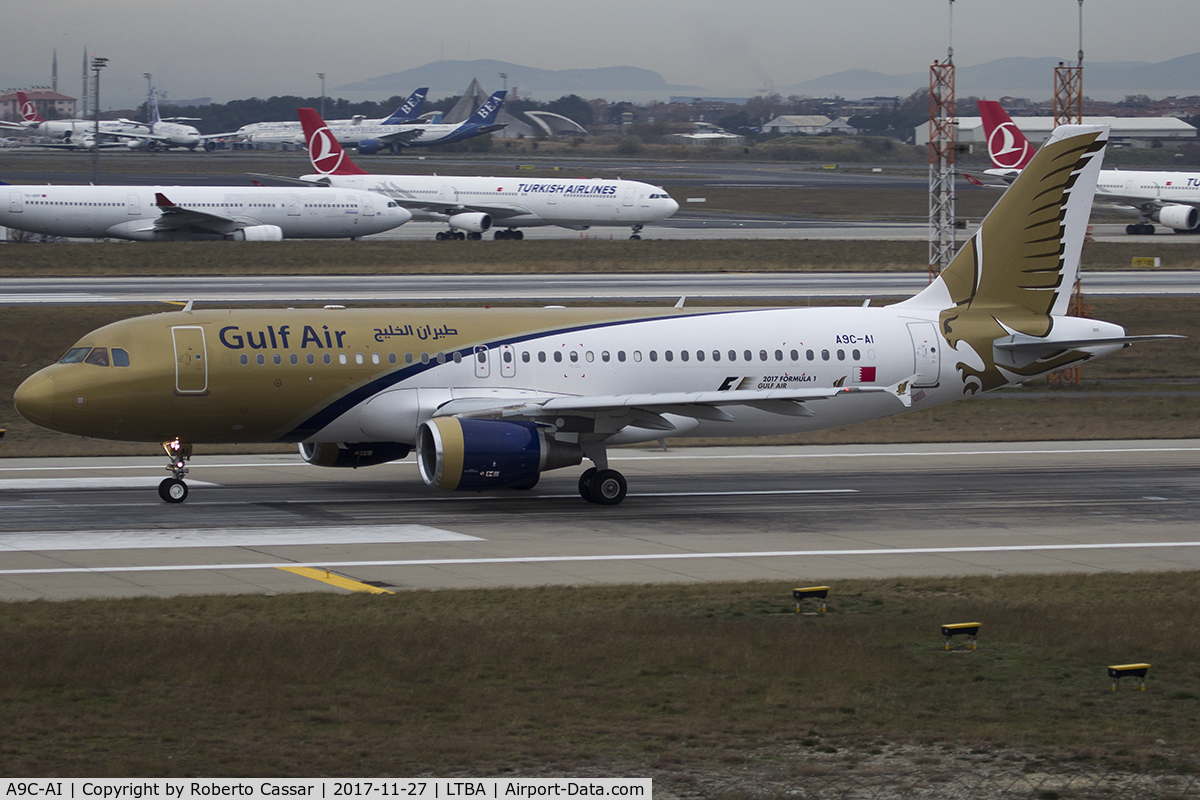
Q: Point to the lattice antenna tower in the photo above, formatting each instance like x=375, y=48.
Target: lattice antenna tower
x=1068, y=86
x=942, y=124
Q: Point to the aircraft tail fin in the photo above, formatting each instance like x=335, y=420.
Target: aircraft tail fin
x=153, y=101
x=1024, y=258
x=410, y=110
x=486, y=113
x=29, y=112
x=1007, y=146
x=326, y=155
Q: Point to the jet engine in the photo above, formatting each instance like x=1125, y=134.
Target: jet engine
x=1179, y=217
x=257, y=233
x=454, y=453
x=352, y=455
x=150, y=145
x=473, y=222
x=369, y=147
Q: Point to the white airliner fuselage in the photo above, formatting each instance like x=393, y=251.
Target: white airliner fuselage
x=197, y=212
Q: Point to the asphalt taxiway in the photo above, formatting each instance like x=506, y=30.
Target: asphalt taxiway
x=76, y=528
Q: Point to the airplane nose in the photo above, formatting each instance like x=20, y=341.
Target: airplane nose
x=34, y=398
x=672, y=204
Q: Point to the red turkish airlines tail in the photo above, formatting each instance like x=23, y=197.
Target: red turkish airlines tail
x=326, y=155
x=29, y=112
x=1007, y=146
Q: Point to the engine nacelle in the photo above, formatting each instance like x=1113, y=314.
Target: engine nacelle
x=369, y=147
x=1179, y=217
x=352, y=455
x=454, y=453
x=473, y=222
x=257, y=233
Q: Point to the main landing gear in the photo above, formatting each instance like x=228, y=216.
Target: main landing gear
x=173, y=489
x=458, y=236
x=511, y=233
x=1140, y=229
x=599, y=484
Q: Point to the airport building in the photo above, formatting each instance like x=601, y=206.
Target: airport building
x=794, y=124
x=50, y=104
x=1136, y=132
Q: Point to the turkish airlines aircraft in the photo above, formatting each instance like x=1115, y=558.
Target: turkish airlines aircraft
x=490, y=398
x=178, y=213
x=1168, y=198
x=471, y=206
x=74, y=133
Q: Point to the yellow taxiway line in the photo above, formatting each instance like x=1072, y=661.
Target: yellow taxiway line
x=325, y=576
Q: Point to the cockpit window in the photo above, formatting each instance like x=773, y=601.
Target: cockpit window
x=120, y=358
x=98, y=357
x=74, y=355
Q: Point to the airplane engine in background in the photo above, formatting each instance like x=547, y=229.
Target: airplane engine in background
x=1179, y=217
x=456, y=453
x=473, y=222
x=352, y=455
x=369, y=147
x=257, y=233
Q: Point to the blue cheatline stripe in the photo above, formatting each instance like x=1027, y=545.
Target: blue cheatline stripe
x=340, y=405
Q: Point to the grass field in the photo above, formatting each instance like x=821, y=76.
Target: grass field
x=676, y=682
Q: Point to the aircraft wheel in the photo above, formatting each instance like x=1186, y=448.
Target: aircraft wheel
x=585, y=484
x=459, y=236
x=500, y=236
x=636, y=237
x=474, y=237
x=1131, y=230
x=172, y=490
x=441, y=236
x=608, y=487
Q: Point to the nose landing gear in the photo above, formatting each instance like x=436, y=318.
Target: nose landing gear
x=637, y=232
x=173, y=489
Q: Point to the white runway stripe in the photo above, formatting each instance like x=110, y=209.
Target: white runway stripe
x=454, y=562
x=218, y=537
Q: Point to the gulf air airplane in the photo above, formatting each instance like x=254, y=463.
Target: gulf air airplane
x=489, y=398
x=1152, y=196
x=185, y=213
x=470, y=206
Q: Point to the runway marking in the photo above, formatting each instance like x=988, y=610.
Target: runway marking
x=133, y=482
x=456, y=562
x=220, y=537
x=680, y=454
x=325, y=576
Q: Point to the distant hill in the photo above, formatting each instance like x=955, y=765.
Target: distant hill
x=1021, y=77
x=446, y=78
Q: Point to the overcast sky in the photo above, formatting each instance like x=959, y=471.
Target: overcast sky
x=229, y=50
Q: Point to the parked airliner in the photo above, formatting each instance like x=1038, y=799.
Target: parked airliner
x=471, y=206
x=291, y=132
x=1168, y=198
x=370, y=139
x=175, y=213
x=73, y=133
x=490, y=398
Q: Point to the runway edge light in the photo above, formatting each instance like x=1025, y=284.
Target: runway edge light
x=817, y=592
x=1135, y=671
x=968, y=629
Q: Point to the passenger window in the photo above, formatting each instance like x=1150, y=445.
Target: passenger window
x=558, y=356
x=824, y=355
x=699, y=355
x=749, y=356
x=120, y=358
x=391, y=358
x=506, y=356
x=716, y=355
x=841, y=355
x=683, y=355
x=810, y=355
x=574, y=357
x=481, y=356
x=525, y=356
x=637, y=355
x=855, y=355
x=311, y=359
x=733, y=355
x=441, y=358
x=326, y=359
x=245, y=359
x=795, y=356
x=779, y=355
x=260, y=359
x=762, y=355
x=458, y=357
x=98, y=357
x=589, y=356
x=604, y=356
x=408, y=358
x=621, y=356
x=341, y=358
x=424, y=358
x=541, y=357
x=669, y=355
x=277, y=358
x=295, y=359
x=374, y=358
x=654, y=355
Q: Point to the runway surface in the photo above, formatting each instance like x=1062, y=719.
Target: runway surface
x=621, y=287
x=73, y=528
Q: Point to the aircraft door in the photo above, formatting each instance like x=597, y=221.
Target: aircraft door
x=925, y=352
x=628, y=201
x=508, y=361
x=293, y=205
x=366, y=206
x=15, y=203
x=133, y=205
x=191, y=360
x=483, y=366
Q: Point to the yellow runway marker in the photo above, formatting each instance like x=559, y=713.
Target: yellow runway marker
x=325, y=576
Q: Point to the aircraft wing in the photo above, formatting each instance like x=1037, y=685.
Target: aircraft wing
x=402, y=136
x=498, y=211
x=645, y=410
x=173, y=217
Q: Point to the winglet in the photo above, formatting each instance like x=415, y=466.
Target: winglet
x=326, y=155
